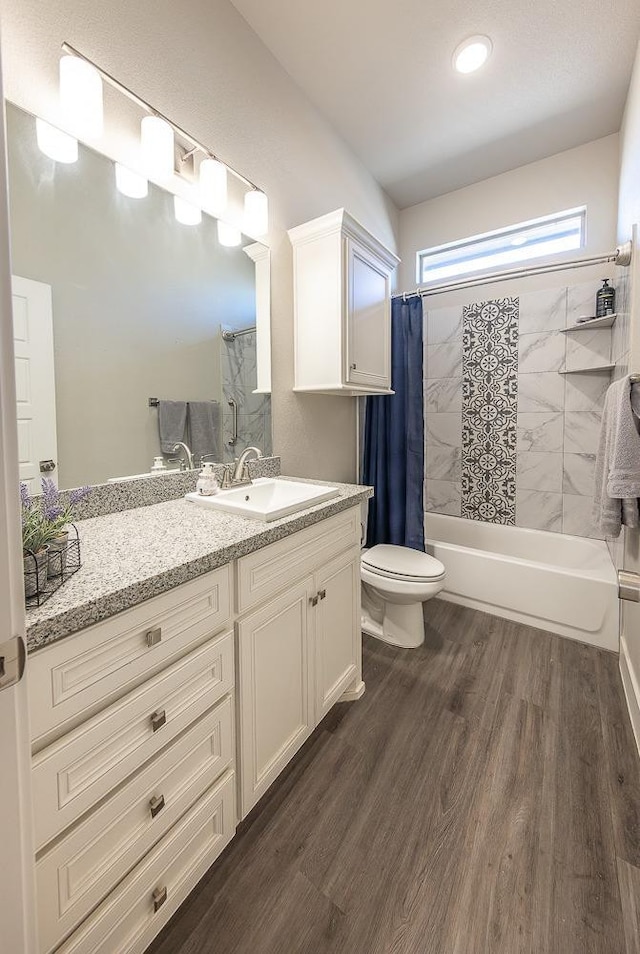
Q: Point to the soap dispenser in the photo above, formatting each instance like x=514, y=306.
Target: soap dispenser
x=605, y=300
x=207, y=484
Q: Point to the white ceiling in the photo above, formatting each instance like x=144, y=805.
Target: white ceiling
x=382, y=75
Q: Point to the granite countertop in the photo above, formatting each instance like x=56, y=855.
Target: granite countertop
x=130, y=556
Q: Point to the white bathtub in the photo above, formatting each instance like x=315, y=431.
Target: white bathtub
x=566, y=585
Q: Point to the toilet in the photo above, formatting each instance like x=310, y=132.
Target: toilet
x=396, y=581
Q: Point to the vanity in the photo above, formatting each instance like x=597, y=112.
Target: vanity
x=171, y=681
x=176, y=674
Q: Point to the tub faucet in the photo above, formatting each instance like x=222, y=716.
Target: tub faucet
x=240, y=475
x=187, y=453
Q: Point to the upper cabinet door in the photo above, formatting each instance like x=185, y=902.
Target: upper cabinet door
x=368, y=356
x=342, y=285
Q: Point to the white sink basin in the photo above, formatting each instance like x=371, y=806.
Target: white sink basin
x=267, y=498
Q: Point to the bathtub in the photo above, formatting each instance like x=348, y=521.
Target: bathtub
x=565, y=585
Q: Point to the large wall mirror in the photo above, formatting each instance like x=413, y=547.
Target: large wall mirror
x=116, y=305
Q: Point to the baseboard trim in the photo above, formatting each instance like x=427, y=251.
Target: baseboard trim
x=631, y=690
x=352, y=695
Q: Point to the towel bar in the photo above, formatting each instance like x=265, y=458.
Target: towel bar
x=629, y=586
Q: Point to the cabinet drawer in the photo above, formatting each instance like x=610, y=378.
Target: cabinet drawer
x=78, y=676
x=261, y=575
x=71, y=775
x=127, y=921
x=80, y=870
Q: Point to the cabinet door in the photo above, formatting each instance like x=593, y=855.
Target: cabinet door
x=368, y=357
x=337, y=630
x=275, y=698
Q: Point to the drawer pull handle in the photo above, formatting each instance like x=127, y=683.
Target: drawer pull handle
x=313, y=600
x=156, y=805
x=158, y=719
x=153, y=637
x=158, y=897
x=322, y=594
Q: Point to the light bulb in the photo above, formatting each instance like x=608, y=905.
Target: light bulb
x=472, y=54
x=156, y=143
x=256, y=213
x=185, y=212
x=81, y=97
x=131, y=183
x=213, y=186
x=56, y=144
x=228, y=235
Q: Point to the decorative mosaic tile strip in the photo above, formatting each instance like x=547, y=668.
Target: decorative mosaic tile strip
x=489, y=410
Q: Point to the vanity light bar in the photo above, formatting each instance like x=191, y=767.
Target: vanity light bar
x=196, y=145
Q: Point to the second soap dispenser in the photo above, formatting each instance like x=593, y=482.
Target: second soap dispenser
x=207, y=484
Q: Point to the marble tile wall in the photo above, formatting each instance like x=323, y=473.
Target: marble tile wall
x=558, y=415
x=238, y=371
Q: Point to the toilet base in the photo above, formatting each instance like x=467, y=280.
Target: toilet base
x=402, y=625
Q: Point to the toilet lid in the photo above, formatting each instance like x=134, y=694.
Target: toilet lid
x=402, y=562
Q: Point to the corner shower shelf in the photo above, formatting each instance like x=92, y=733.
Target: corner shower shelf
x=600, y=367
x=605, y=322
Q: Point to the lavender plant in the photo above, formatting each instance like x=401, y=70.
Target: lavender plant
x=44, y=518
x=37, y=531
x=57, y=510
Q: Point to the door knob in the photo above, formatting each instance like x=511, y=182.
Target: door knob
x=47, y=466
x=12, y=658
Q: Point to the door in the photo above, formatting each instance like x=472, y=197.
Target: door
x=276, y=703
x=337, y=630
x=35, y=380
x=17, y=904
x=368, y=319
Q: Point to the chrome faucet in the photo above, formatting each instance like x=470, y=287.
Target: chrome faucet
x=188, y=455
x=240, y=475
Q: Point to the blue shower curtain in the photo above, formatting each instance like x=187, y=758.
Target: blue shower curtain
x=393, y=458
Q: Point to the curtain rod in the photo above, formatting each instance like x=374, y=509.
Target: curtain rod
x=621, y=256
x=232, y=335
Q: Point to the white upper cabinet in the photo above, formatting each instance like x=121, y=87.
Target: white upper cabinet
x=342, y=298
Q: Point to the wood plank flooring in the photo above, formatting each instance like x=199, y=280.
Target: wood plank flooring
x=483, y=797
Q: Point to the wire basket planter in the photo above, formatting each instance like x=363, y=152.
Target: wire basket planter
x=45, y=572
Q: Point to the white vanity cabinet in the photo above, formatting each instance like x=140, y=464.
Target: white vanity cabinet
x=154, y=730
x=342, y=300
x=300, y=652
x=133, y=766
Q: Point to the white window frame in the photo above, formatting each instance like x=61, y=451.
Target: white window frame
x=455, y=260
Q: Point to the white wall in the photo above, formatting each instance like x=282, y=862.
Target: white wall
x=200, y=63
x=629, y=196
x=587, y=175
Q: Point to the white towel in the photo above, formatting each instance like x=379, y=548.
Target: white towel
x=617, y=478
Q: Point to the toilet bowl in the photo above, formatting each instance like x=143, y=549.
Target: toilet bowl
x=396, y=581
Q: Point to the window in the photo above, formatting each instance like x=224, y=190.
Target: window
x=551, y=235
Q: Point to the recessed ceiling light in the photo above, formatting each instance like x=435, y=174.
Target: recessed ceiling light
x=472, y=54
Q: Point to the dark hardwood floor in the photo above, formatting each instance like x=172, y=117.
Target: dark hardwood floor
x=482, y=798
